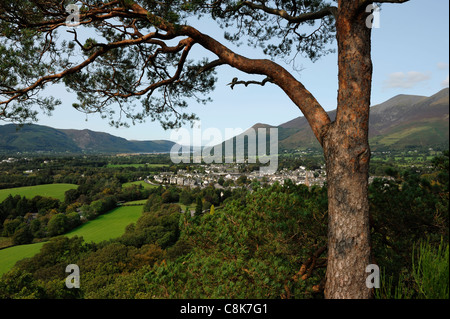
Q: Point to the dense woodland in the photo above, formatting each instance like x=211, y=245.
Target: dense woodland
x=252, y=241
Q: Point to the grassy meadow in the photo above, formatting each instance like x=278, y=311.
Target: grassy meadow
x=9, y=256
x=137, y=165
x=104, y=227
x=48, y=190
x=109, y=225
x=142, y=183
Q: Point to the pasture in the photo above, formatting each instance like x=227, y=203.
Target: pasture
x=109, y=225
x=139, y=183
x=104, y=227
x=9, y=256
x=48, y=190
x=137, y=165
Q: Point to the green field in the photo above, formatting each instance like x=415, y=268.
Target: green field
x=49, y=190
x=109, y=225
x=104, y=227
x=135, y=202
x=137, y=165
x=146, y=185
x=9, y=256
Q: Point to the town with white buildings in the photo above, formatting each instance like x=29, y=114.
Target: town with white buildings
x=220, y=175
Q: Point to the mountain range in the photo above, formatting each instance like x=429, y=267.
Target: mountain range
x=404, y=121
x=38, y=138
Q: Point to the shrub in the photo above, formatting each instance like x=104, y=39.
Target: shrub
x=431, y=271
x=429, y=278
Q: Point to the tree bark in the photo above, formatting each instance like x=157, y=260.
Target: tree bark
x=347, y=154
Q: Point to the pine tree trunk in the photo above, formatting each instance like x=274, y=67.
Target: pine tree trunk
x=347, y=155
x=348, y=222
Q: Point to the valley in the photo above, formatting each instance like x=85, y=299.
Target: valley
x=81, y=186
x=402, y=123
x=128, y=211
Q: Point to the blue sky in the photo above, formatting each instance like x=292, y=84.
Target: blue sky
x=410, y=53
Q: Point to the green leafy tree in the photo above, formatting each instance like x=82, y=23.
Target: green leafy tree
x=22, y=236
x=71, y=195
x=35, y=227
x=145, y=57
x=185, y=198
x=11, y=226
x=73, y=220
x=166, y=197
x=242, y=180
x=198, y=206
x=23, y=207
x=57, y=225
x=405, y=211
x=159, y=227
x=258, y=243
x=153, y=203
x=19, y=284
x=50, y=263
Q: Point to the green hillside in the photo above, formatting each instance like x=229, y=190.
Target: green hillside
x=431, y=133
x=34, y=138
x=404, y=121
x=37, y=138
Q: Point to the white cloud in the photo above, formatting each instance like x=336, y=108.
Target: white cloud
x=445, y=82
x=442, y=66
x=406, y=80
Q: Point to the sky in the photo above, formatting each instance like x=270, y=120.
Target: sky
x=410, y=55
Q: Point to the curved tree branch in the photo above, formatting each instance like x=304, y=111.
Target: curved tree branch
x=317, y=117
x=103, y=48
x=310, y=107
x=211, y=65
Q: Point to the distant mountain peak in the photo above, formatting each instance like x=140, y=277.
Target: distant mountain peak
x=396, y=101
x=403, y=120
x=262, y=125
